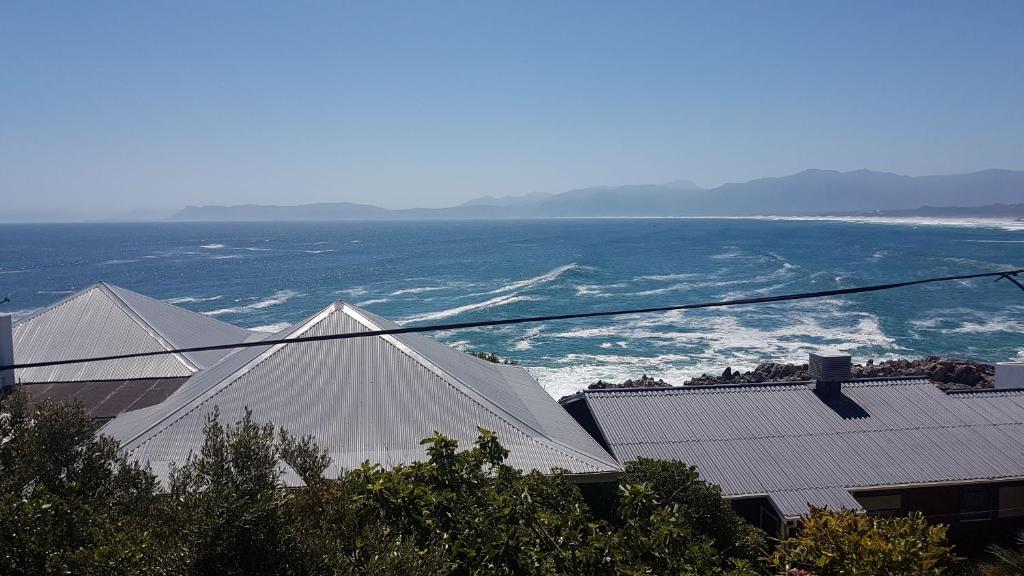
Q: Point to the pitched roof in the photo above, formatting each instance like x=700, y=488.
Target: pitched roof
x=104, y=320
x=105, y=399
x=784, y=441
x=369, y=398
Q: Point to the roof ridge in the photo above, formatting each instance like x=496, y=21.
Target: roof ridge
x=114, y=287
x=200, y=399
x=829, y=433
x=61, y=302
x=153, y=331
x=498, y=411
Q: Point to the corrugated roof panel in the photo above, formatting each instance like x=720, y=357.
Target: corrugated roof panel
x=758, y=439
x=794, y=503
x=105, y=320
x=366, y=399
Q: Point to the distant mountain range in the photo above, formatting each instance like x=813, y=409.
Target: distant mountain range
x=811, y=192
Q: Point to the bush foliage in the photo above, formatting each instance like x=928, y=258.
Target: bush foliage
x=70, y=503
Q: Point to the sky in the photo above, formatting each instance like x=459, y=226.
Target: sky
x=138, y=107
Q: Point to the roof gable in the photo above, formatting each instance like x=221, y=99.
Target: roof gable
x=105, y=320
x=370, y=398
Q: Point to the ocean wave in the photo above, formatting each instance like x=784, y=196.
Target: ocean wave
x=55, y=292
x=211, y=246
x=324, y=251
x=279, y=297
x=271, y=328
x=191, y=299
x=116, y=262
x=693, y=343
x=257, y=249
x=492, y=303
x=668, y=277
x=372, y=301
x=598, y=290
x=419, y=290
x=997, y=241
x=357, y=291
x=19, y=314
x=544, y=278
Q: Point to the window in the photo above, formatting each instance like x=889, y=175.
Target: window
x=1011, y=501
x=881, y=504
x=975, y=503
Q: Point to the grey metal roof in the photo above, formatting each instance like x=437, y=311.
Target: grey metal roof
x=104, y=399
x=364, y=399
x=795, y=503
x=775, y=439
x=104, y=320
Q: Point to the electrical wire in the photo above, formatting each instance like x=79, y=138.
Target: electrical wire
x=1005, y=274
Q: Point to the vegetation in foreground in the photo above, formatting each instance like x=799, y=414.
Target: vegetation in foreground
x=71, y=504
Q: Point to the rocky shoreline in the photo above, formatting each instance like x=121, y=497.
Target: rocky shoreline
x=946, y=373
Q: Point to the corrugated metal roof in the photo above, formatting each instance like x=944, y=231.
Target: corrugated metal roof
x=104, y=320
x=796, y=503
x=104, y=399
x=367, y=399
x=779, y=438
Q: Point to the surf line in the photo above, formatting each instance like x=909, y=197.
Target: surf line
x=1005, y=274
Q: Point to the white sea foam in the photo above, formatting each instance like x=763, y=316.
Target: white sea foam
x=18, y=314
x=598, y=290
x=696, y=342
x=115, y=262
x=56, y=292
x=271, y=328
x=492, y=303
x=372, y=301
x=668, y=277
x=212, y=246
x=997, y=241
x=257, y=249
x=279, y=297
x=325, y=251
x=357, y=291
x=419, y=290
x=544, y=278
x=191, y=299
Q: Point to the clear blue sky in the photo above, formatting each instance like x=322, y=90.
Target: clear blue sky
x=111, y=107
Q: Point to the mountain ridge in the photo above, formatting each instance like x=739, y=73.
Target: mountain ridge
x=809, y=192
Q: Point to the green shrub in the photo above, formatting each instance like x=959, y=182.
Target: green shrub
x=850, y=544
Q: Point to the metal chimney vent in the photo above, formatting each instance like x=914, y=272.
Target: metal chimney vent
x=1009, y=375
x=829, y=369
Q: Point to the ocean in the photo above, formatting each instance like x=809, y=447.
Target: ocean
x=266, y=275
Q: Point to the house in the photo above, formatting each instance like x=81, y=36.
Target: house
x=878, y=446
x=366, y=399
x=106, y=320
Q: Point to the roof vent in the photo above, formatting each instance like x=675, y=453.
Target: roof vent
x=6, y=352
x=1009, y=375
x=829, y=370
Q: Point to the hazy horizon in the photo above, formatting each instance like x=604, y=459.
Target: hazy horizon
x=116, y=109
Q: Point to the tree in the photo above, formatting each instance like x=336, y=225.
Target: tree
x=850, y=544
x=70, y=502
x=1005, y=562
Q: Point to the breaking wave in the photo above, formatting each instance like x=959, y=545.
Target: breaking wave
x=191, y=299
x=279, y=297
x=492, y=303
x=271, y=328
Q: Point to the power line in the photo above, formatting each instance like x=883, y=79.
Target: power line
x=1007, y=274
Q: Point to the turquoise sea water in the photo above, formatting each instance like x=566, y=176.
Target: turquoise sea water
x=266, y=275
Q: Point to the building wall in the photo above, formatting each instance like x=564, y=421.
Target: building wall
x=977, y=514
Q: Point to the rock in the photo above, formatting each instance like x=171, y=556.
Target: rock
x=727, y=373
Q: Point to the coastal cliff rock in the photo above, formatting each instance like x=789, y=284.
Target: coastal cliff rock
x=947, y=373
